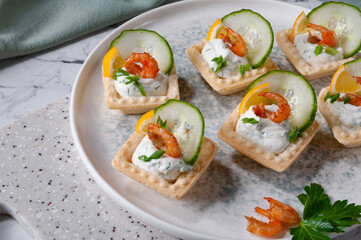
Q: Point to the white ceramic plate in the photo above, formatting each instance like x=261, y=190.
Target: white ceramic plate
x=233, y=184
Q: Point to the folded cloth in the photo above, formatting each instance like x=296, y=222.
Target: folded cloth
x=28, y=26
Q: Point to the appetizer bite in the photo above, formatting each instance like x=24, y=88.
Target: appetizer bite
x=323, y=40
x=168, y=152
x=275, y=120
x=340, y=104
x=235, y=52
x=139, y=72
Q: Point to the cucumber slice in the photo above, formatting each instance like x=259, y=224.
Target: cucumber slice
x=298, y=92
x=354, y=67
x=344, y=19
x=186, y=123
x=142, y=40
x=256, y=32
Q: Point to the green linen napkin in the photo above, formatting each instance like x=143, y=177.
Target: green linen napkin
x=28, y=26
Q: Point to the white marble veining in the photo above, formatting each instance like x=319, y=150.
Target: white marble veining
x=30, y=82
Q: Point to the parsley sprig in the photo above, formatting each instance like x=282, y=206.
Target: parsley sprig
x=220, y=63
x=161, y=123
x=249, y=120
x=131, y=79
x=320, y=217
x=346, y=100
x=243, y=69
x=332, y=97
x=294, y=134
x=156, y=155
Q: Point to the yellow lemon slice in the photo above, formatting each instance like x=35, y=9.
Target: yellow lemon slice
x=111, y=62
x=215, y=30
x=143, y=121
x=300, y=26
x=343, y=82
x=252, y=98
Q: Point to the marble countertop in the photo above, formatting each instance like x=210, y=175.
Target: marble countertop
x=45, y=77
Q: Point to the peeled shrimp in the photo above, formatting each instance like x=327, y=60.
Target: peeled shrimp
x=234, y=41
x=164, y=140
x=277, y=214
x=261, y=228
x=328, y=36
x=283, y=112
x=282, y=212
x=354, y=99
x=149, y=66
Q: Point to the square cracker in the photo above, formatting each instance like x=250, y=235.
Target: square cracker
x=304, y=68
x=225, y=86
x=277, y=162
x=142, y=104
x=347, y=138
x=123, y=163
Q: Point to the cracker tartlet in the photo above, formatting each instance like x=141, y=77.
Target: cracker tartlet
x=177, y=189
x=225, y=86
x=346, y=137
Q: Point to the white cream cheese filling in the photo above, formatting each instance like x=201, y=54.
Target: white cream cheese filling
x=167, y=167
x=152, y=87
x=307, y=50
x=349, y=115
x=267, y=134
x=215, y=48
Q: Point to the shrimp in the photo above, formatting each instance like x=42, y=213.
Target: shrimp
x=234, y=41
x=149, y=68
x=261, y=228
x=283, y=112
x=354, y=99
x=164, y=140
x=328, y=36
x=282, y=212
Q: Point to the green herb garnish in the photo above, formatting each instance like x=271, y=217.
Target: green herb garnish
x=220, y=63
x=249, y=120
x=161, y=123
x=294, y=134
x=346, y=100
x=244, y=68
x=156, y=155
x=134, y=79
x=332, y=97
x=119, y=73
x=318, y=50
x=331, y=51
x=320, y=217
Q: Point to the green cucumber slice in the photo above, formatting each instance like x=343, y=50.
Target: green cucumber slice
x=186, y=123
x=344, y=19
x=142, y=40
x=298, y=92
x=256, y=32
x=354, y=67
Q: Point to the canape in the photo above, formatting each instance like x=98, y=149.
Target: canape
x=139, y=72
x=235, y=52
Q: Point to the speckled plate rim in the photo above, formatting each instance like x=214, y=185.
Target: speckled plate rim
x=75, y=103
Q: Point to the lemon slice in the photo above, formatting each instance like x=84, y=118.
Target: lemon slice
x=343, y=82
x=111, y=62
x=215, y=30
x=143, y=121
x=300, y=26
x=252, y=98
